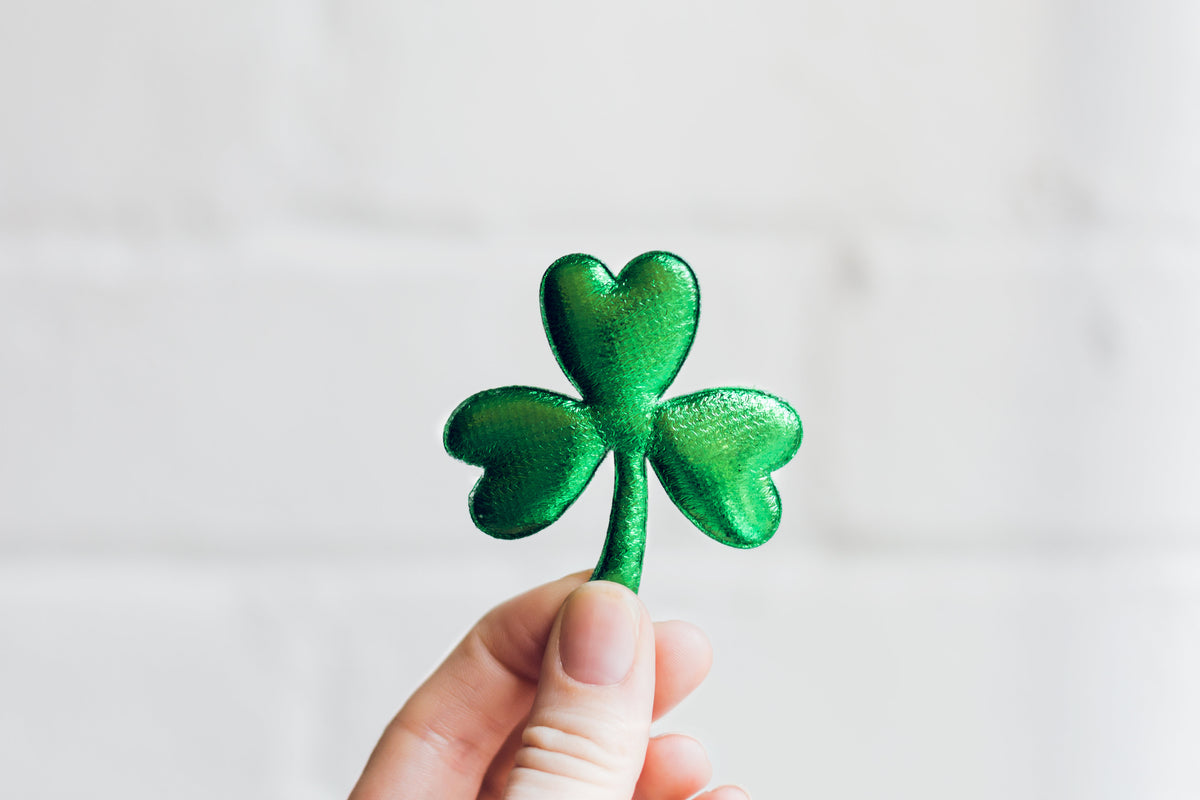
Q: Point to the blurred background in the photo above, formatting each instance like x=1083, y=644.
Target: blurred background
x=253, y=253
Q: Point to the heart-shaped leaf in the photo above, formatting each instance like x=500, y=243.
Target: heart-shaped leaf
x=538, y=451
x=714, y=452
x=621, y=340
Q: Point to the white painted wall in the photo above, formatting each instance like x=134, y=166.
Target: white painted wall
x=253, y=253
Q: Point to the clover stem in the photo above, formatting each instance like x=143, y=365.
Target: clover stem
x=625, y=544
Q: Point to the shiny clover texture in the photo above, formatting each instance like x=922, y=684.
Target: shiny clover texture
x=621, y=341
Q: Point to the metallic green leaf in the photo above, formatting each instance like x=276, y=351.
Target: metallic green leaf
x=621, y=340
x=538, y=450
x=714, y=452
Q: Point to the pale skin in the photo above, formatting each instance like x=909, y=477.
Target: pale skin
x=551, y=696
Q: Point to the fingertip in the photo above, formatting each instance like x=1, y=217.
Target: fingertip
x=683, y=656
x=681, y=747
x=685, y=639
x=598, y=638
x=725, y=793
x=676, y=766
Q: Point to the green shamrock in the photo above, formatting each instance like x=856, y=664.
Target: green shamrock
x=621, y=341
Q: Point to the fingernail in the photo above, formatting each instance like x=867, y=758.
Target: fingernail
x=598, y=638
x=730, y=793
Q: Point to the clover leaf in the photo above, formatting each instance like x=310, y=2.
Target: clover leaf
x=621, y=341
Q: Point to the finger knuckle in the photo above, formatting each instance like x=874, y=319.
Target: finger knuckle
x=553, y=751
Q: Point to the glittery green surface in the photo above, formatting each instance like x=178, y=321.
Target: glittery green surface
x=621, y=342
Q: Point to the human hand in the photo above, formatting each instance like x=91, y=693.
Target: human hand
x=550, y=697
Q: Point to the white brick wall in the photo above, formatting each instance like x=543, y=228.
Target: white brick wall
x=252, y=254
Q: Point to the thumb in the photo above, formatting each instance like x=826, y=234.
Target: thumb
x=587, y=733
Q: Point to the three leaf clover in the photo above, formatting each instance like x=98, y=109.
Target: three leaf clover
x=621, y=341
